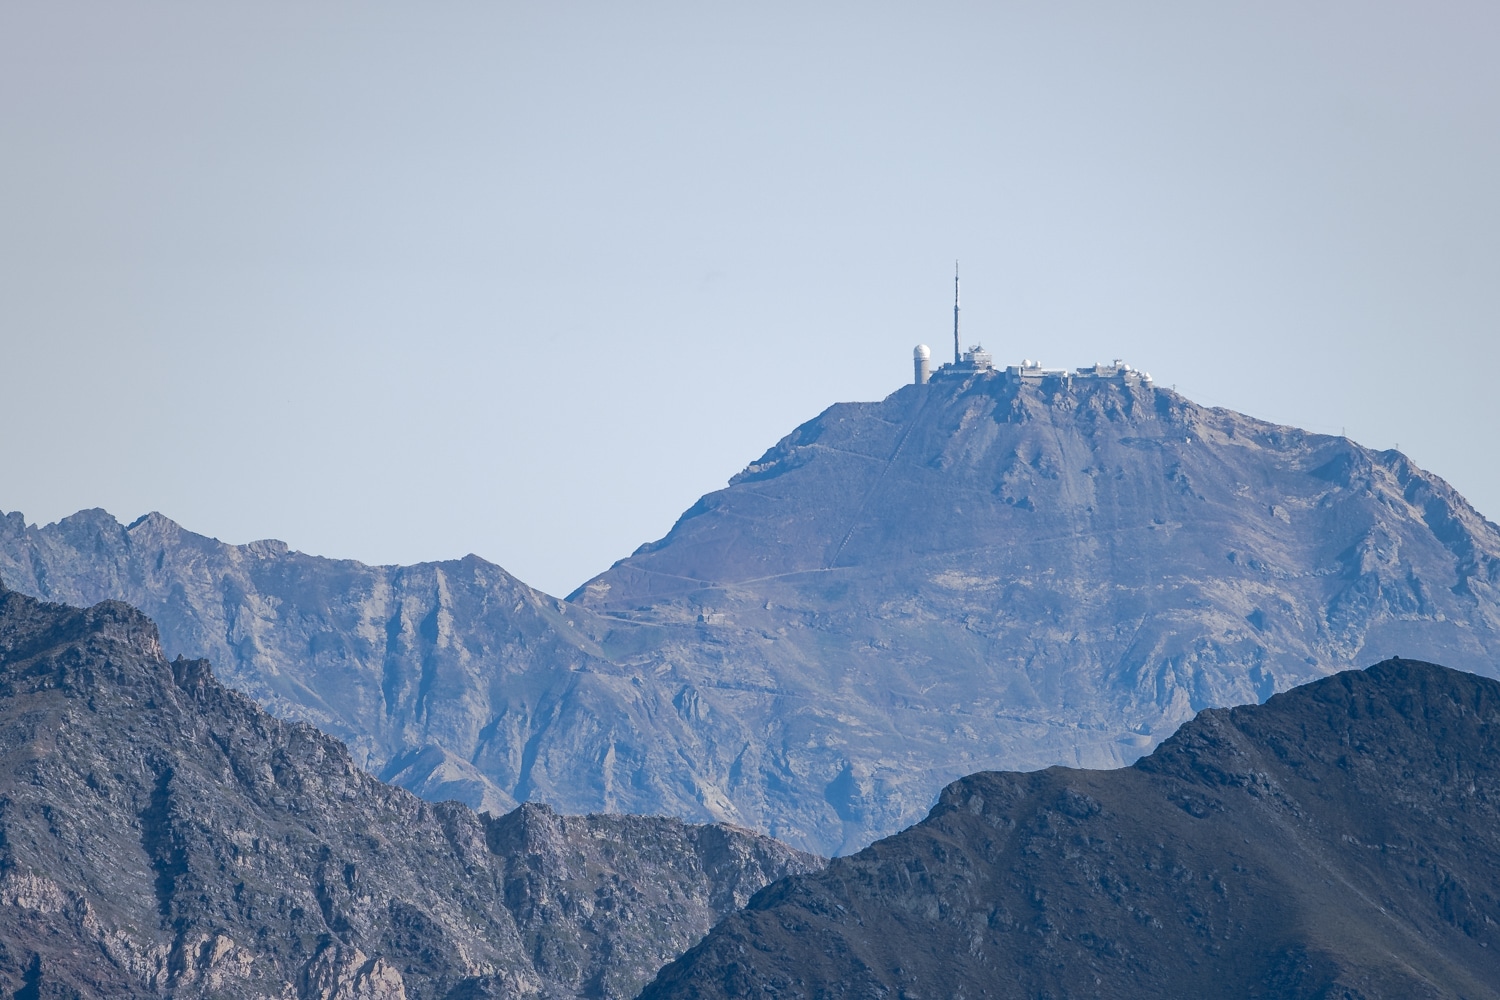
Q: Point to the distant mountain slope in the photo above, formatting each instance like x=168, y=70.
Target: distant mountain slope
x=970, y=574
x=453, y=679
x=1341, y=840
x=982, y=573
x=162, y=836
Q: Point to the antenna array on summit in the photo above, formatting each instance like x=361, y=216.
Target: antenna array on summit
x=956, y=356
x=977, y=360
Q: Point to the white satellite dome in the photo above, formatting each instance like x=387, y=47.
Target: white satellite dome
x=921, y=352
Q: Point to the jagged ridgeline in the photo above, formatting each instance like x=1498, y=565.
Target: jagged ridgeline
x=163, y=836
x=1341, y=840
x=992, y=570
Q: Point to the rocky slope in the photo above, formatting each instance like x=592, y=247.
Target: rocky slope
x=1341, y=840
x=452, y=679
x=984, y=573
x=160, y=835
x=969, y=574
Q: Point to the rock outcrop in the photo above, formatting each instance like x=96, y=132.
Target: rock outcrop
x=163, y=836
x=967, y=575
x=1341, y=840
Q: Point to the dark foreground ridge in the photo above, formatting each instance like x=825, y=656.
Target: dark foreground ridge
x=1341, y=840
x=162, y=836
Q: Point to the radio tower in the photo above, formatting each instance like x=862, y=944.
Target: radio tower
x=956, y=356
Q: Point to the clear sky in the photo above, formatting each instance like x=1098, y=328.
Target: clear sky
x=404, y=281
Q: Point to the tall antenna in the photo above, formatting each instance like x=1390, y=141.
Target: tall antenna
x=956, y=356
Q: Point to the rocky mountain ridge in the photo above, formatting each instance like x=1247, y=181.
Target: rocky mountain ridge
x=1341, y=840
x=975, y=573
x=991, y=572
x=163, y=836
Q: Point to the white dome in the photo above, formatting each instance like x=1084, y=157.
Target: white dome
x=921, y=352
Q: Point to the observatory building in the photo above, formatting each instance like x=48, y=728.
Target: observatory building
x=976, y=360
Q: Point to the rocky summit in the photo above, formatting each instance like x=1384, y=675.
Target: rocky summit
x=986, y=571
x=992, y=571
x=1340, y=841
x=163, y=836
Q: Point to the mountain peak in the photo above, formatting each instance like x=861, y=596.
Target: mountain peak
x=1090, y=560
x=997, y=569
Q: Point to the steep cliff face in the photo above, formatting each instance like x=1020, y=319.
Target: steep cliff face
x=970, y=574
x=162, y=836
x=1341, y=840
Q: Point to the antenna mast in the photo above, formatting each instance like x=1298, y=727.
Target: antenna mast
x=956, y=356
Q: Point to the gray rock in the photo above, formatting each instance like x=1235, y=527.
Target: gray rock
x=1341, y=840
x=163, y=836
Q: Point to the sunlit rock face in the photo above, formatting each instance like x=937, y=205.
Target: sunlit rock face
x=983, y=573
x=975, y=573
x=1341, y=840
x=161, y=836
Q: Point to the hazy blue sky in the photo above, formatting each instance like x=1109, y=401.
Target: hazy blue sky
x=401, y=281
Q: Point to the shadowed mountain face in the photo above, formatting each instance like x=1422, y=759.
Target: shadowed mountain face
x=970, y=574
x=1341, y=840
x=162, y=836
